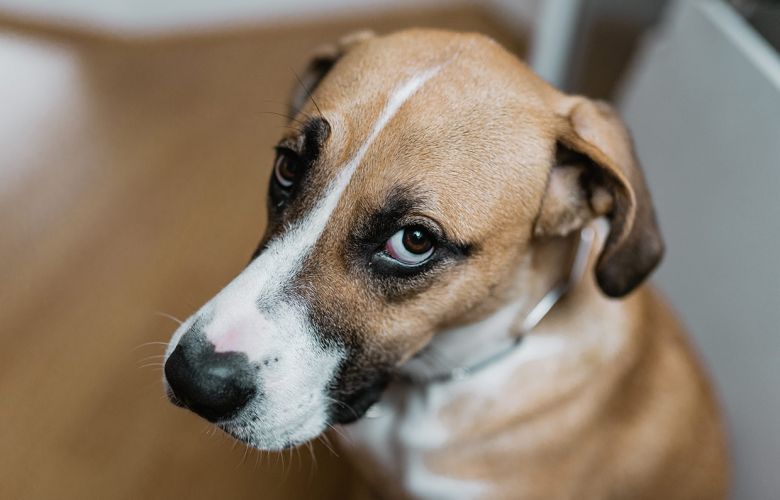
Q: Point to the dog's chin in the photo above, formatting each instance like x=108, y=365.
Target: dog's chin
x=255, y=435
x=257, y=440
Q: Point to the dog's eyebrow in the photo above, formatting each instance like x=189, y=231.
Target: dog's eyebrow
x=399, y=203
x=309, y=138
x=315, y=133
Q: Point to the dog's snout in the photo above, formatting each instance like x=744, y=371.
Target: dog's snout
x=215, y=385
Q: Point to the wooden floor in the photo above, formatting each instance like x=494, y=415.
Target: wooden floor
x=132, y=184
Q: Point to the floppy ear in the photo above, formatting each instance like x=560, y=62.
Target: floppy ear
x=323, y=59
x=596, y=173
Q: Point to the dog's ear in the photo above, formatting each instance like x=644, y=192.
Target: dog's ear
x=321, y=62
x=596, y=173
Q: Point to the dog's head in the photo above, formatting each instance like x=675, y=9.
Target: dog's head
x=424, y=168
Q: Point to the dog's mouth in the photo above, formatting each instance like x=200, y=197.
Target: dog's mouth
x=354, y=406
x=358, y=385
x=273, y=419
x=250, y=431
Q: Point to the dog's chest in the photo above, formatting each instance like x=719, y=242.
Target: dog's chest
x=401, y=440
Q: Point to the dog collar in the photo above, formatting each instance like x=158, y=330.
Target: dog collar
x=532, y=319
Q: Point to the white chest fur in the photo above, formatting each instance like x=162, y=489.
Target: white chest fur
x=398, y=439
x=409, y=430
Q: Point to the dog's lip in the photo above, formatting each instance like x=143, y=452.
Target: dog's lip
x=242, y=431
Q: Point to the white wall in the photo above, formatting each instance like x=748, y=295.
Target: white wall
x=704, y=105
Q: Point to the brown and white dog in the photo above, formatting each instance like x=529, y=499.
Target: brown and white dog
x=431, y=199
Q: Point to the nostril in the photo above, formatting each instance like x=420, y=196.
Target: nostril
x=213, y=385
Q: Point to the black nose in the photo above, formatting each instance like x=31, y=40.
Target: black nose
x=215, y=385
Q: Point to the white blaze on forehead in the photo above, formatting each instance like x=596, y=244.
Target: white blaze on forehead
x=264, y=278
x=281, y=260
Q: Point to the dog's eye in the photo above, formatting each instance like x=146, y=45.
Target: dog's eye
x=286, y=168
x=411, y=245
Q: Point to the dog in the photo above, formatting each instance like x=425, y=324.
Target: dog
x=453, y=272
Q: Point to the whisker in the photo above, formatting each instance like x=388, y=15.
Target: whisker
x=296, y=129
x=283, y=115
x=151, y=358
x=327, y=443
x=169, y=316
x=152, y=365
x=345, y=405
x=243, y=458
x=284, y=105
x=313, y=467
x=156, y=384
x=308, y=92
x=339, y=432
x=149, y=344
x=286, y=472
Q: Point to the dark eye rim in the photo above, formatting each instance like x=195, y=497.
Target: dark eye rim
x=365, y=249
x=385, y=265
x=381, y=262
x=386, y=261
x=281, y=154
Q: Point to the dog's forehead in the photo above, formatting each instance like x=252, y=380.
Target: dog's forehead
x=472, y=62
x=475, y=137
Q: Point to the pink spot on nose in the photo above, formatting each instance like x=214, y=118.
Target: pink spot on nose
x=244, y=336
x=229, y=341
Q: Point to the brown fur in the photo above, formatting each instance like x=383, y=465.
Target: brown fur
x=636, y=423
x=626, y=412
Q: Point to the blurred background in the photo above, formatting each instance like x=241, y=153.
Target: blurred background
x=135, y=148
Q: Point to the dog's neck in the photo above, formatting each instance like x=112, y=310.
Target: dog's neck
x=541, y=280
x=414, y=426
